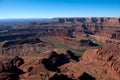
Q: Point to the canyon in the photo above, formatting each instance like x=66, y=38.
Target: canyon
x=60, y=49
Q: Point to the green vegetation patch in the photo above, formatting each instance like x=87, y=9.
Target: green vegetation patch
x=59, y=45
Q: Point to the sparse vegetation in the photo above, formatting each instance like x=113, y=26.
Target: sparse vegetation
x=58, y=45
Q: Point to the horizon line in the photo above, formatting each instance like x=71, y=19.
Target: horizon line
x=60, y=17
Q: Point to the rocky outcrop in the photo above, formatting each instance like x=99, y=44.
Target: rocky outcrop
x=98, y=64
x=64, y=27
x=112, y=20
x=84, y=42
x=46, y=67
x=110, y=56
x=115, y=36
x=89, y=20
x=11, y=65
x=9, y=68
x=54, y=61
x=24, y=41
x=95, y=64
x=107, y=27
x=26, y=33
x=17, y=61
x=25, y=47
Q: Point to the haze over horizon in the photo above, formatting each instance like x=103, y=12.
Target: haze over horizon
x=58, y=8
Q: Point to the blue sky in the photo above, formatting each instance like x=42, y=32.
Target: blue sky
x=59, y=8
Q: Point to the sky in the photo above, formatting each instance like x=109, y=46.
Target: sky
x=58, y=8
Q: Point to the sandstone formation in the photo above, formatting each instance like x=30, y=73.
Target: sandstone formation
x=89, y=20
x=63, y=27
x=9, y=68
x=111, y=57
x=100, y=64
x=49, y=50
x=30, y=46
x=95, y=64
